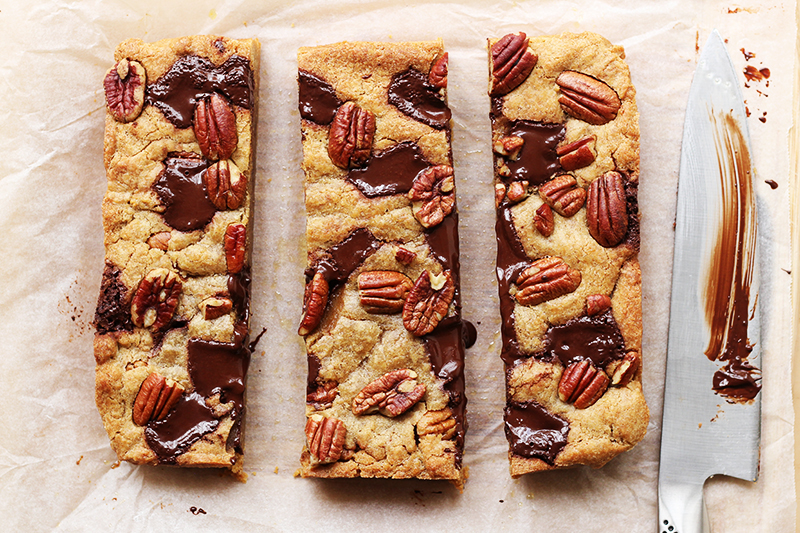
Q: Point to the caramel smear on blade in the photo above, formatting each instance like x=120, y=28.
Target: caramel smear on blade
x=728, y=280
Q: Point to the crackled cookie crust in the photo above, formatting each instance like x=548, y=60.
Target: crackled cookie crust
x=381, y=318
x=172, y=317
x=566, y=151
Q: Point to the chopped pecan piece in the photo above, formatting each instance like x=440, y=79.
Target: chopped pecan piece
x=546, y=279
x=517, y=191
x=215, y=307
x=392, y=394
x=235, y=242
x=582, y=384
x=576, y=154
x=438, y=74
x=607, y=209
x=314, y=302
x=425, y=306
x=124, y=86
x=325, y=437
x=433, y=195
x=596, y=304
x=622, y=371
x=437, y=422
x=587, y=98
x=156, y=396
x=508, y=146
x=512, y=63
x=404, y=256
x=351, y=135
x=323, y=395
x=544, y=221
x=563, y=195
x=215, y=127
x=225, y=185
x=156, y=299
x=160, y=241
x=383, y=291
x=499, y=194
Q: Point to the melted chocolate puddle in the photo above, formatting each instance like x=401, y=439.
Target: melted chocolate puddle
x=537, y=161
x=511, y=261
x=317, y=99
x=188, y=421
x=532, y=431
x=346, y=256
x=180, y=188
x=727, y=294
x=192, y=78
x=596, y=338
x=410, y=92
x=391, y=171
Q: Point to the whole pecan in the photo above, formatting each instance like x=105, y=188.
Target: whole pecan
x=576, y=154
x=425, y=305
x=512, y=63
x=587, y=98
x=325, y=437
x=438, y=74
x=124, y=87
x=351, y=135
x=215, y=127
x=225, y=185
x=546, y=279
x=323, y=395
x=596, y=304
x=543, y=220
x=392, y=394
x=582, y=384
x=623, y=370
x=156, y=299
x=607, y=209
x=314, y=302
x=563, y=194
x=437, y=422
x=383, y=291
x=432, y=195
x=235, y=244
x=215, y=307
x=156, y=396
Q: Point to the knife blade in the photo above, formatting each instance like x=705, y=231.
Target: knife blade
x=712, y=403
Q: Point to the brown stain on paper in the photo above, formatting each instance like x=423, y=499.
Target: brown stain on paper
x=728, y=281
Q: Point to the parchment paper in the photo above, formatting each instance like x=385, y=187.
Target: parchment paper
x=57, y=469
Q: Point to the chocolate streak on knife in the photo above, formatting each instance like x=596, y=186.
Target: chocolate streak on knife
x=727, y=294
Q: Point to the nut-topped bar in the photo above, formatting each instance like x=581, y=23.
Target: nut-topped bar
x=381, y=314
x=172, y=318
x=566, y=164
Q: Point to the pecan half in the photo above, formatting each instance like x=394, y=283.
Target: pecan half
x=392, y=394
x=607, y=209
x=235, y=243
x=437, y=423
x=582, y=384
x=426, y=306
x=563, y=194
x=622, y=371
x=404, y=256
x=215, y=127
x=512, y=63
x=325, y=437
x=543, y=220
x=215, y=307
x=156, y=396
x=438, y=74
x=576, y=154
x=383, y=291
x=596, y=304
x=124, y=86
x=351, y=135
x=225, y=185
x=433, y=195
x=323, y=395
x=314, y=302
x=156, y=299
x=587, y=98
x=508, y=146
x=546, y=279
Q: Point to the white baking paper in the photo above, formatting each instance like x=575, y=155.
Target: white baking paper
x=56, y=467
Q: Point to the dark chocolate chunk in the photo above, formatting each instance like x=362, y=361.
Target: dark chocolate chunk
x=188, y=421
x=411, y=93
x=180, y=188
x=318, y=101
x=532, y=431
x=391, y=171
x=596, y=338
x=537, y=161
x=113, y=308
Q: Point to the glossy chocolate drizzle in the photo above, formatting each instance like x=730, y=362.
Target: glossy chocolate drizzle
x=317, y=99
x=411, y=93
x=192, y=78
x=532, y=431
x=391, y=171
x=180, y=189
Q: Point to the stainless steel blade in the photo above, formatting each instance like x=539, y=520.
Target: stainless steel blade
x=702, y=433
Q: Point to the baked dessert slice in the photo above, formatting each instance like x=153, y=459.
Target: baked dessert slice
x=566, y=166
x=382, y=312
x=172, y=317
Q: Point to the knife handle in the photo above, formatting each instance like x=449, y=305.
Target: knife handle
x=681, y=508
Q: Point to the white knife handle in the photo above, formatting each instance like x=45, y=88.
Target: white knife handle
x=681, y=508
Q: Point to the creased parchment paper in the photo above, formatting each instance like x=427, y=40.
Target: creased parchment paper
x=57, y=469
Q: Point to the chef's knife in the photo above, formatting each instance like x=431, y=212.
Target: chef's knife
x=712, y=404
